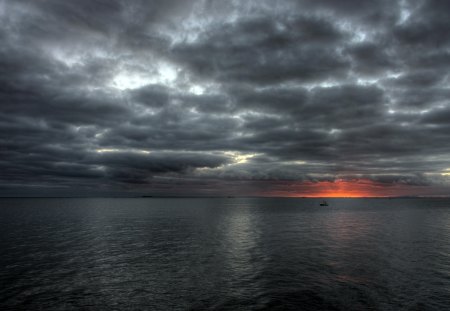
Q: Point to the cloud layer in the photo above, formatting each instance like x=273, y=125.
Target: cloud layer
x=215, y=97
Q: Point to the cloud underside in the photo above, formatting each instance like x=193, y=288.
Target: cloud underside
x=248, y=97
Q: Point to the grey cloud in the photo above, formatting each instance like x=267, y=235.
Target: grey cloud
x=158, y=163
x=248, y=97
x=438, y=117
x=261, y=50
x=151, y=95
x=370, y=58
x=426, y=25
x=271, y=100
x=346, y=106
x=420, y=79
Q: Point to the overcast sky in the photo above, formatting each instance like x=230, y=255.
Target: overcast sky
x=296, y=98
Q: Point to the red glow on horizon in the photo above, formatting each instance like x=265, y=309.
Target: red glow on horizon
x=344, y=189
x=348, y=189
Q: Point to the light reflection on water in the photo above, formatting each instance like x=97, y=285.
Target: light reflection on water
x=224, y=254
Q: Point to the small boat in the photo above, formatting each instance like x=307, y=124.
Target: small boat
x=323, y=203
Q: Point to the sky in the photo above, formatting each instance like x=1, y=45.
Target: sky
x=213, y=97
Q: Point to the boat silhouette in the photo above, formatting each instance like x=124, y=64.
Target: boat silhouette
x=323, y=203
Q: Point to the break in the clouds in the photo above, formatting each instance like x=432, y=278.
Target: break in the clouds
x=224, y=97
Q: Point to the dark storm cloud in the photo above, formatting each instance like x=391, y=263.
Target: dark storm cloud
x=369, y=59
x=427, y=26
x=214, y=96
x=264, y=50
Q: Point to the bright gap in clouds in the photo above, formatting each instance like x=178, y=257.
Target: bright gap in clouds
x=164, y=74
x=122, y=150
x=129, y=81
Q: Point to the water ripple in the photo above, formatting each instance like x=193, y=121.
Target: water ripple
x=224, y=254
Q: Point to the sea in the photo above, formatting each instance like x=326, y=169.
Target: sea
x=224, y=254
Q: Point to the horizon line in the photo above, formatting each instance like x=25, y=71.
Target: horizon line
x=225, y=196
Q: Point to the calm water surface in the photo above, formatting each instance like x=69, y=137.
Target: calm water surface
x=224, y=254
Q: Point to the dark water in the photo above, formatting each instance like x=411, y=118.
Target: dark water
x=224, y=254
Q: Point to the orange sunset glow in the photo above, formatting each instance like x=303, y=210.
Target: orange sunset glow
x=342, y=188
x=349, y=189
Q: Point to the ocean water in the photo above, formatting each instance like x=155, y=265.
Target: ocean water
x=224, y=254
